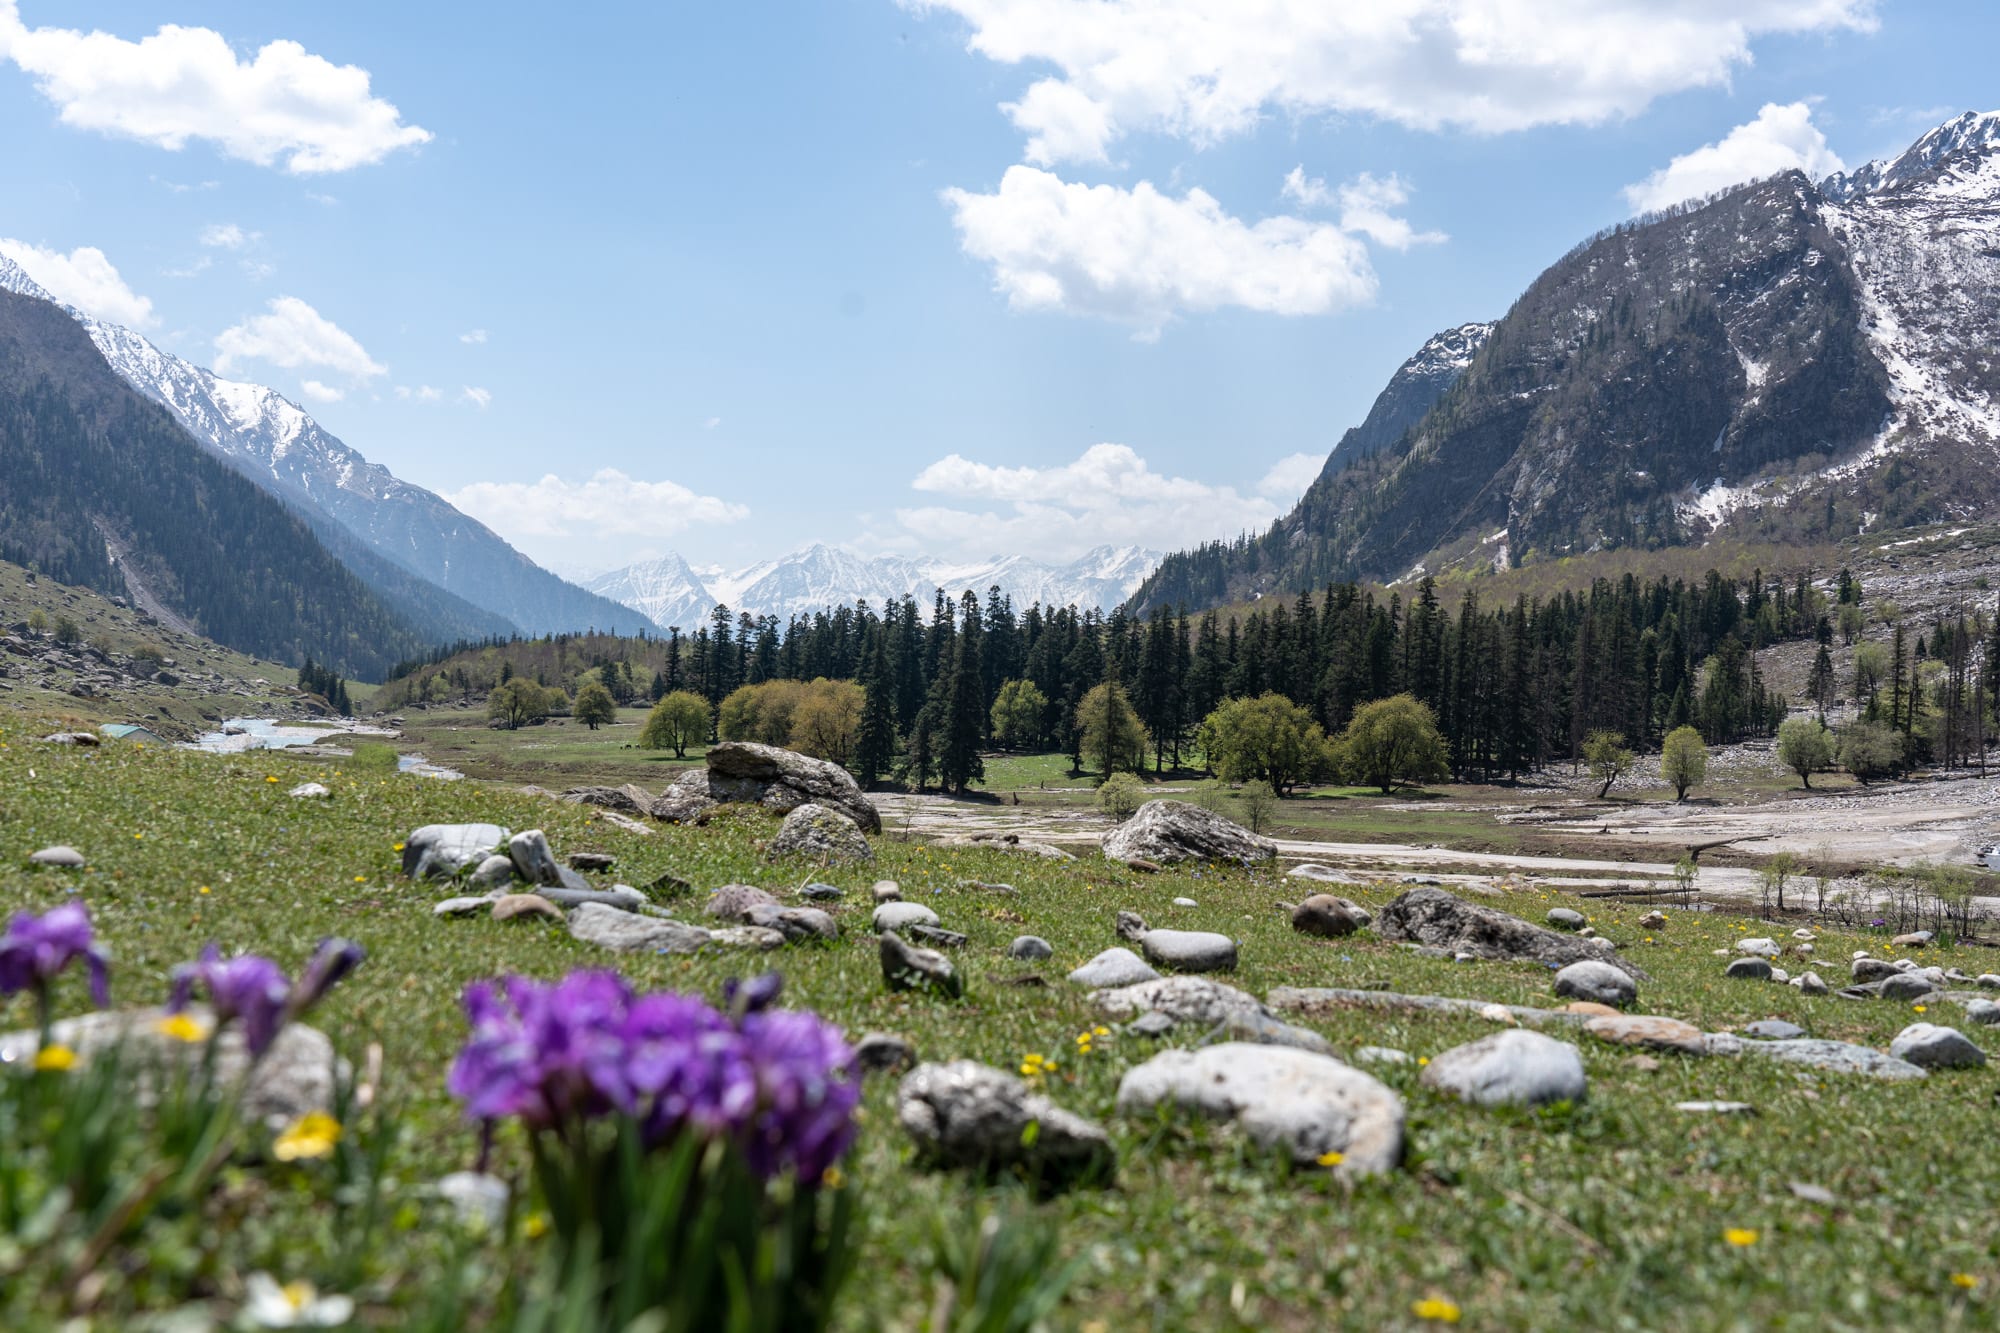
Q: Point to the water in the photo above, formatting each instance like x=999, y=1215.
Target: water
x=240, y=735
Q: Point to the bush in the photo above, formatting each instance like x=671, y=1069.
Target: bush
x=376, y=757
x=1121, y=795
x=1805, y=746
x=1259, y=800
x=1870, y=750
x=1683, y=760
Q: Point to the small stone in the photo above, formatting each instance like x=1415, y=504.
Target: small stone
x=1112, y=968
x=1987, y=981
x=1803, y=934
x=1186, y=902
x=937, y=937
x=627, y=932
x=591, y=862
x=521, y=905
x=1916, y=939
x=883, y=1053
x=309, y=791
x=1189, y=950
x=1653, y=921
x=1773, y=1029
x=1598, y=982
x=1872, y=969
x=494, y=873
x=1716, y=1108
x=1143, y=866
x=901, y=916
x=1644, y=1064
x=1648, y=1032
x=1779, y=975
x=1750, y=969
x=1931, y=1046
x=1030, y=948
x=1512, y=1068
x=822, y=893
x=734, y=902
x=1907, y=986
x=1983, y=1012
x=1588, y=933
x=1565, y=918
x=970, y=1115
x=478, y=1200
x=1818, y=1194
x=1381, y=1055
x=59, y=857
x=796, y=924
x=907, y=967
x=758, y=939
x=1153, y=1023
x=1327, y=916
x=1758, y=947
x=887, y=891
x=1810, y=983
x=461, y=906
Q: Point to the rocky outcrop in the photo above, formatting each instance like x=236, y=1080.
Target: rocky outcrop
x=1168, y=832
x=779, y=780
x=1438, y=920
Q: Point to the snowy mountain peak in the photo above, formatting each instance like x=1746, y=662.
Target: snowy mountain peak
x=1957, y=149
x=15, y=279
x=1449, y=352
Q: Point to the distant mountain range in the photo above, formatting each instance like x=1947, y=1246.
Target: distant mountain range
x=448, y=573
x=671, y=592
x=1787, y=359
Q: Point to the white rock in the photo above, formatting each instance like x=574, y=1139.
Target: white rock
x=901, y=916
x=1758, y=947
x=1930, y=1046
x=1512, y=1068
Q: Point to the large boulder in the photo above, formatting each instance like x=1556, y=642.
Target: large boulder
x=1171, y=831
x=1432, y=917
x=965, y=1114
x=628, y=799
x=777, y=779
x=823, y=833
x=439, y=851
x=1309, y=1106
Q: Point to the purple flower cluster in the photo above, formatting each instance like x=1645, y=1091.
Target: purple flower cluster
x=37, y=949
x=253, y=991
x=778, y=1084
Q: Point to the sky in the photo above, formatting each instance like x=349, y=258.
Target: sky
x=944, y=277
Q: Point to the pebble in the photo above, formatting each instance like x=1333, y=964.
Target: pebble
x=1030, y=948
x=1931, y=1046
x=901, y=916
x=1512, y=1068
x=60, y=857
x=1750, y=969
x=1598, y=982
x=1114, y=967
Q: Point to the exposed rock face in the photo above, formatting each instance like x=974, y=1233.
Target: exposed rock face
x=965, y=1114
x=1297, y=1102
x=440, y=851
x=1174, y=831
x=823, y=833
x=1435, y=918
x=779, y=780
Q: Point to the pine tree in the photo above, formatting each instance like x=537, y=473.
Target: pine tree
x=964, y=707
x=875, y=742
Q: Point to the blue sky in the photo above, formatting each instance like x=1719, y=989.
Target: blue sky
x=728, y=279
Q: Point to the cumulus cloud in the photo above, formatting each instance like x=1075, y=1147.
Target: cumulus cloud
x=321, y=393
x=1108, y=494
x=422, y=393
x=1139, y=256
x=1780, y=139
x=1365, y=205
x=83, y=278
x=283, y=105
x=474, y=336
x=1205, y=70
x=227, y=236
x=479, y=398
x=609, y=517
x=1290, y=475
x=292, y=334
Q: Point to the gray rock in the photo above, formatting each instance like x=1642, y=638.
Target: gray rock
x=796, y=924
x=1565, y=918
x=734, y=902
x=1113, y=967
x=1716, y=1108
x=973, y=1116
x=591, y=862
x=1381, y=1055
x=907, y=967
x=523, y=906
x=1303, y=1104
x=629, y=799
x=1873, y=969
x=822, y=893
x=1987, y=981
x=493, y=874
x=1435, y=919
x=1511, y=1068
x=439, y=851
x=1170, y=832
x=782, y=780
x=1321, y=874
x=535, y=862
x=1759, y=947
x=462, y=907
x=627, y=932
x=822, y=833
x=1773, y=1029
x=1653, y=921
x=1930, y=1046
x=1212, y=1007
x=1983, y=1012
x=1596, y=981
x=761, y=939
x=309, y=791
x=58, y=857
x=1186, y=902
x=1810, y=983
x=1916, y=939
x=1152, y=1025
x=1818, y=1194
x=1649, y=1032
x=883, y=1053
x=1328, y=916
x=1030, y=948
x=1908, y=986
x=621, y=896
x=1189, y=950
x=901, y=916
x=1749, y=969
x=937, y=937
x=887, y=891
x=1836, y=1057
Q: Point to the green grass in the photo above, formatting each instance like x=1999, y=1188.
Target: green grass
x=1609, y=1215
x=556, y=754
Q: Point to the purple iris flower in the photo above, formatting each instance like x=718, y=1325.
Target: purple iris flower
x=247, y=988
x=331, y=963
x=688, y=1064
x=806, y=1094
x=37, y=949
x=545, y=1053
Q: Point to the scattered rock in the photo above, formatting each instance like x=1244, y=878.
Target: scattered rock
x=1759, y=947
x=901, y=916
x=1809, y=983
x=1596, y=981
x=973, y=1116
x=493, y=874
x=1309, y=1106
x=1930, y=1046
x=477, y=1200
x=1143, y=866
x=82, y=738
x=1171, y=832
x=887, y=891
x=796, y=924
x=309, y=791
x=821, y=893
x=1645, y=1064
x=1873, y=969
x=535, y=862
x=1512, y=1068
x=1181, y=950
x=1836, y=1057
x=439, y=851
x=627, y=932
x=1907, y=986
x=669, y=885
x=1916, y=939
x=591, y=862
x=1653, y=921
x=1432, y=917
x=1564, y=918
x=823, y=833
x=1818, y=1194
x=734, y=902
x=1030, y=948
x=1112, y=968
x=462, y=907
x=779, y=780
x=1983, y=1012
x=1648, y=1032
x=907, y=967
x=621, y=896
x=1381, y=1055
x=1987, y=981
x=1323, y=874
x=1773, y=1029
x=758, y=939
x=1779, y=975
x=1328, y=917
x=628, y=799
x=1750, y=969
x=58, y=857
x=937, y=937
x=1716, y=1108
x=1186, y=902
x=1213, y=1007
x=883, y=1053
x=515, y=906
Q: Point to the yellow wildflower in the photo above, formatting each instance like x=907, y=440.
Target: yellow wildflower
x=1332, y=1158
x=56, y=1059
x=1436, y=1309
x=397, y=848
x=1964, y=1281
x=202, y=889
x=361, y=879
x=832, y=1178
x=272, y=778
x=313, y=1134
x=1741, y=1237
x=181, y=1028
x=536, y=1226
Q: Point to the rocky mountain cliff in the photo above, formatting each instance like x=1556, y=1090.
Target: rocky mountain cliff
x=1787, y=358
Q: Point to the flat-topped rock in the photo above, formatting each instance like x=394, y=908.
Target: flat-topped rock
x=1596, y=981
x=628, y=932
x=1511, y=1068
x=58, y=858
x=1836, y=1057
x=1932, y=1046
x=440, y=851
x=901, y=916
x=1647, y=1032
x=1209, y=1005
x=1170, y=832
x=1114, y=967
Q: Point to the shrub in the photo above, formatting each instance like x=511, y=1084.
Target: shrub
x=1121, y=795
x=1259, y=800
x=1683, y=760
x=1870, y=750
x=375, y=756
x=1805, y=746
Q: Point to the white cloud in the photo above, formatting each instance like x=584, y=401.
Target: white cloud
x=1780, y=139
x=1140, y=257
x=710, y=423
x=1109, y=494
x=474, y=336
x=1289, y=476
x=1204, y=70
x=1365, y=203
x=321, y=393
x=293, y=334
x=83, y=278
x=198, y=265
x=227, y=236
x=187, y=83
x=257, y=270
x=610, y=518
x=479, y=398
x=423, y=393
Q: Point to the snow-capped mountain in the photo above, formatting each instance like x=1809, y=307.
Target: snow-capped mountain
x=278, y=445
x=670, y=592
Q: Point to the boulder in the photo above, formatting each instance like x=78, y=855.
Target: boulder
x=1210, y=1006
x=1749, y=969
x=1113, y=967
x=1030, y=949
x=907, y=967
x=777, y=779
x=628, y=932
x=1433, y=918
x=1309, y=1106
x=439, y=851
x=1169, y=832
x=901, y=916
x=969, y=1115
x=823, y=833
x=1836, y=1057
x=493, y=874
x=1598, y=981
x=1565, y=918
x=796, y=924
x=1181, y=950
x=1511, y=1068
x=1328, y=916
x=1930, y=1046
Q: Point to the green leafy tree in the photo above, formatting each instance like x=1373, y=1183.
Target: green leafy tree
x=827, y=720
x=678, y=720
x=1870, y=750
x=1112, y=733
x=1393, y=741
x=1805, y=746
x=1270, y=739
x=1017, y=714
x=1608, y=758
x=1121, y=794
x=594, y=705
x=1683, y=760
x=1259, y=799
x=517, y=702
